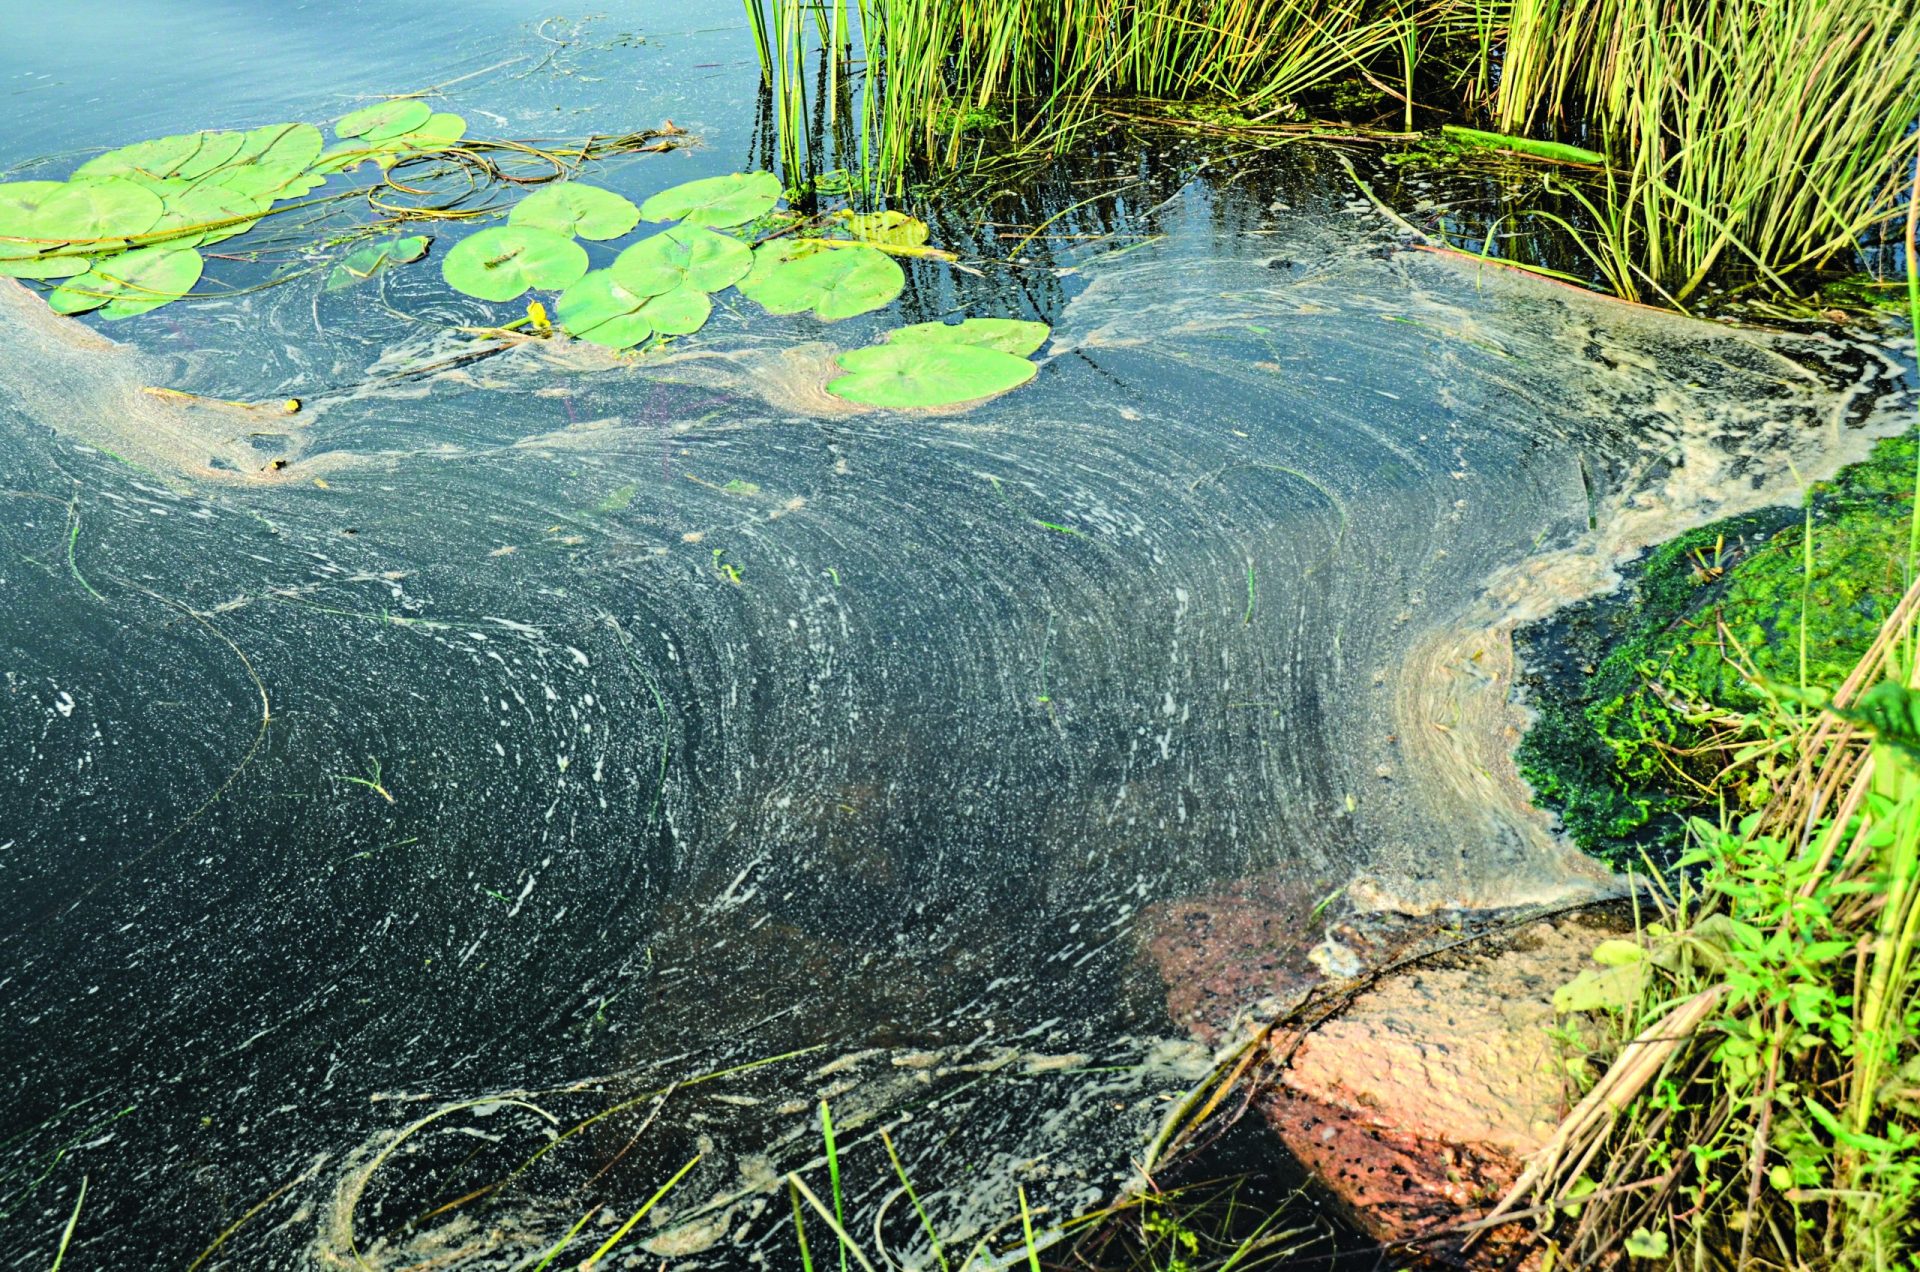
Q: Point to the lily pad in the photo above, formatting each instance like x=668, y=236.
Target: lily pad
x=729, y=200
x=922, y=373
x=343, y=156
x=62, y=266
x=895, y=229
x=204, y=213
x=271, y=156
x=684, y=256
x=20, y=203
x=599, y=309
x=217, y=149
x=159, y=157
x=363, y=263
x=442, y=129
x=130, y=284
x=568, y=207
x=384, y=119
x=503, y=262
x=1009, y=335
x=100, y=210
x=792, y=276
x=679, y=312
x=20, y=199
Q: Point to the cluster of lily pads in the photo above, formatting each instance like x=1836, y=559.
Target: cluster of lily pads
x=124, y=231
x=123, y=235
x=663, y=284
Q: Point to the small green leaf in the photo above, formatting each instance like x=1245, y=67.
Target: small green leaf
x=363, y=263
x=684, y=256
x=1009, y=335
x=729, y=200
x=927, y=373
x=568, y=207
x=1601, y=989
x=1644, y=1243
x=1618, y=953
x=130, y=284
x=384, y=119
x=503, y=262
x=792, y=276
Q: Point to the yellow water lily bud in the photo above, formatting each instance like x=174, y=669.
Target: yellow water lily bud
x=537, y=315
x=291, y=406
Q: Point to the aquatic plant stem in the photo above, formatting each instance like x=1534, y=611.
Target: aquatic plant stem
x=73, y=1219
x=1026, y=1228
x=926, y=1224
x=833, y=1175
x=1913, y=320
x=826, y=1216
x=592, y=1261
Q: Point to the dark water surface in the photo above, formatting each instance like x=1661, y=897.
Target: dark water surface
x=896, y=790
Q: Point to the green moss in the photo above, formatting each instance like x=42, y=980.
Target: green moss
x=1621, y=685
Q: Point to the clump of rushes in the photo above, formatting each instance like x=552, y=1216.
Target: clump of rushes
x=1753, y=137
x=937, y=67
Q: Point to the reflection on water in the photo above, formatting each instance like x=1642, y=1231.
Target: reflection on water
x=591, y=729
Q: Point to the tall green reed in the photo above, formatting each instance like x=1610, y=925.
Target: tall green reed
x=1755, y=138
x=971, y=84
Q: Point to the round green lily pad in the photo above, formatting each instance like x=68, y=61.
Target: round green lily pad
x=130, y=284
x=98, y=210
x=160, y=157
x=568, y=207
x=792, y=276
x=730, y=200
x=921, y=373
x=1009, y=335
x=684, y=256
x=503, y=262
x=384, y=119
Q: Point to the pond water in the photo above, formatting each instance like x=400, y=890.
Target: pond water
x=558, y=734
